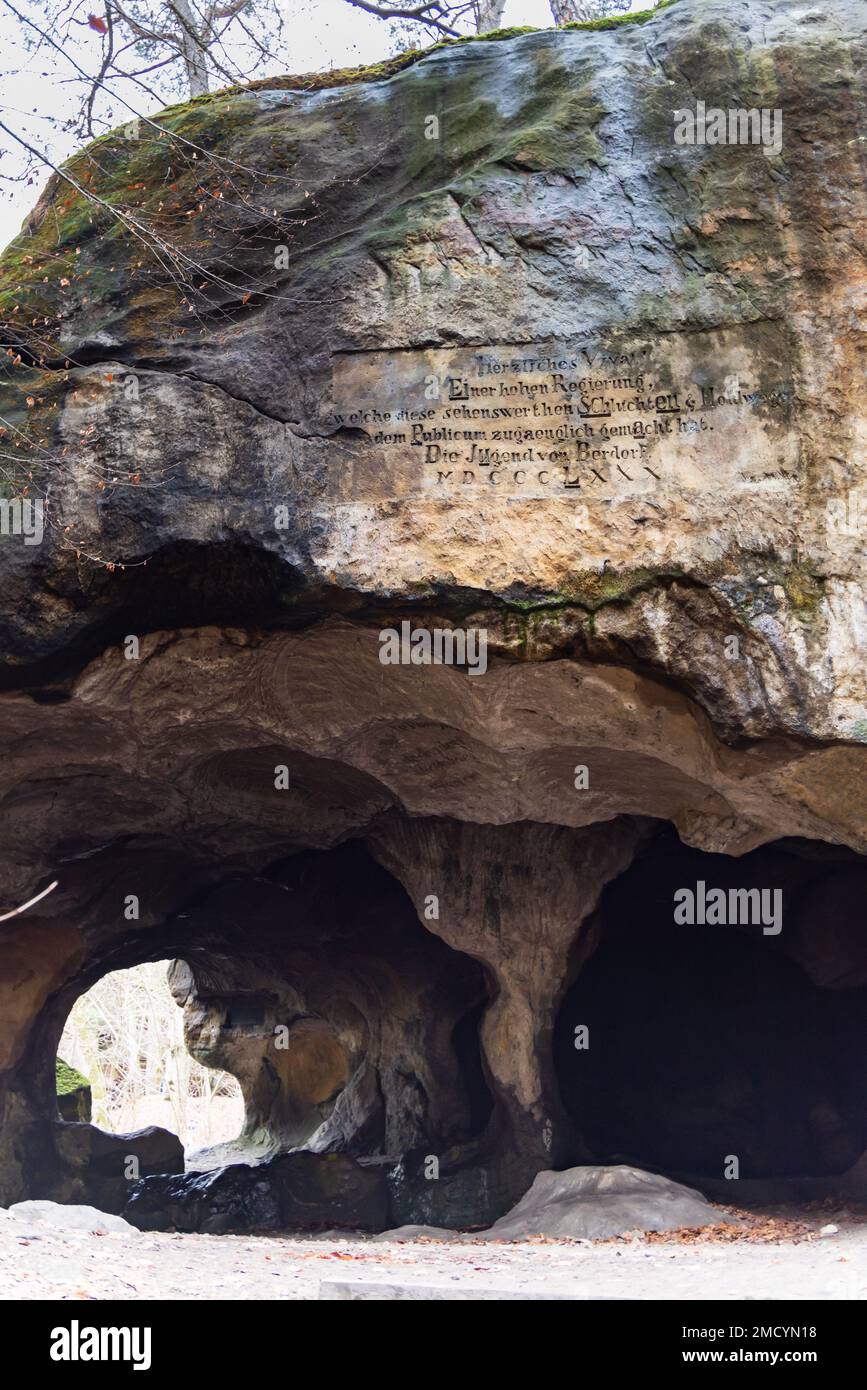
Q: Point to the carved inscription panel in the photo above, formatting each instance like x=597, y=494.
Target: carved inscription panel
x=545, y=421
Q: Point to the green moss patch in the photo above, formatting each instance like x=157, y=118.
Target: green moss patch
x=594, y=589
x=617, y=21
x=389, y=67
x=68, y=1079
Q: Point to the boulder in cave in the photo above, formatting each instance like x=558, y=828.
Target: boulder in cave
x=593, y=1203
x=66, y=1216
x=590, y=1203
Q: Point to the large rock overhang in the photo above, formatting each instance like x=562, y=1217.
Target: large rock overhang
x=254, y=469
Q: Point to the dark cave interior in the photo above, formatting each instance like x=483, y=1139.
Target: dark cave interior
x=699, y=1043
x=710, y=1041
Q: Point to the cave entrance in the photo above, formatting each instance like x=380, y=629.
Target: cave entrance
x=123, y=1064
x=350, y=1027
x=709, y=1041
x=309, y=1029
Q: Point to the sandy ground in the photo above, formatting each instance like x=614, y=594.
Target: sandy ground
x=777, y=1259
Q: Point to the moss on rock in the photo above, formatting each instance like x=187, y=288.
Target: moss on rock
x=389, y=67
x=617, y=21
x=68, y=1079
x=73, y=1093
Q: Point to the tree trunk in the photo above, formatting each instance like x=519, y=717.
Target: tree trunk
x=489, y=15
x=193, y=47
x=569, y=11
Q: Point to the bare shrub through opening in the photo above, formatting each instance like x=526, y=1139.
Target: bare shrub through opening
x=126, y=1036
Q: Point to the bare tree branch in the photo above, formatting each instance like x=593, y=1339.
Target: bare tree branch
x=24, y=906
x=432, y=14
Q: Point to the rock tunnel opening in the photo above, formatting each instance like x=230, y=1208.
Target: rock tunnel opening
x=351, y=1029
x=709, y=1038
x=123, y=1065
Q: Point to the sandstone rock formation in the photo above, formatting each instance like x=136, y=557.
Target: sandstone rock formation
x=68, y=1217
x=593, y=1203
x=549, y=375
x=303, y=1191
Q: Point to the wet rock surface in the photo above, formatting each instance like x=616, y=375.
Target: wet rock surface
x=302, y=1191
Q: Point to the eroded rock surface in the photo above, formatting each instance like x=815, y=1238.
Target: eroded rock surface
x=554, y=221
x=252, y=475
